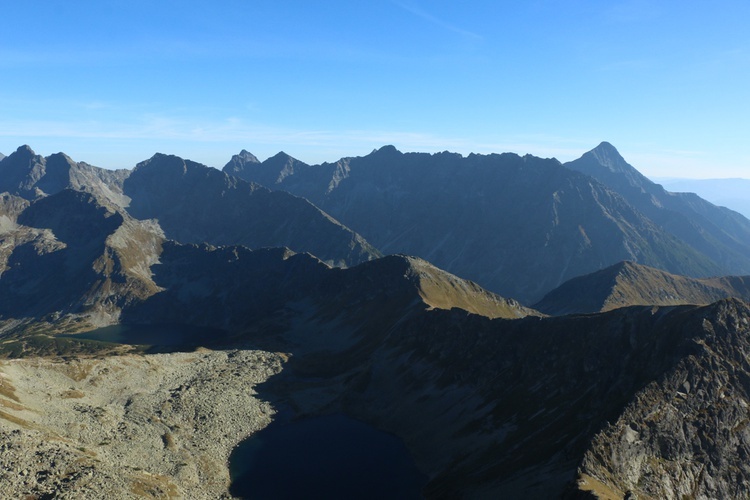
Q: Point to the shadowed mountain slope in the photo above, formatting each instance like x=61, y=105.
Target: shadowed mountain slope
x=73, y=254
x=508, y=409
x=250, y=287
x=195, y=204
x=519, y=226
x=629, y=284
x=717, y=232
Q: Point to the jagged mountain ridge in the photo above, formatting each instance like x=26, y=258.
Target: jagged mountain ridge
x=628, y=284
x=30, y=176
x=519, y=226
x=196, y=204
x=720, y=233
x=250, y=287
x=203, y=204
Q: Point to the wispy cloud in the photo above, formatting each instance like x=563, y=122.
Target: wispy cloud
x=216, y=139
x=437, y=21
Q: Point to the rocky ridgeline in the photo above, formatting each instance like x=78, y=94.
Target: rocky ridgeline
x=685, y=435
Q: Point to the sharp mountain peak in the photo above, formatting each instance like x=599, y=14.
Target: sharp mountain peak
x=248, y=156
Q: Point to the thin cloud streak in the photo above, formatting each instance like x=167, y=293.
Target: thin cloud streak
x=438, y=22
x=215, y=140
x=157, y=127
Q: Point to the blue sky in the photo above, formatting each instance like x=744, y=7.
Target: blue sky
x=113, y=82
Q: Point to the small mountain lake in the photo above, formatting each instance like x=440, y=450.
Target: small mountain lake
x=169, y=335
x=326, y=457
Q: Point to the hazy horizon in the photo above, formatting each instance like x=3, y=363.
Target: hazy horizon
x=113, y=83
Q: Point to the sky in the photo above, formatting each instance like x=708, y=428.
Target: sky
x=113, y=82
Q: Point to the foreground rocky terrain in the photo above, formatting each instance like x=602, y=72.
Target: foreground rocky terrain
x=651, y=401
x=128, y=426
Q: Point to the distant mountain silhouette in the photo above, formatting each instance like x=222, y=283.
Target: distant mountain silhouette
x=730, y=193
x=519, y=226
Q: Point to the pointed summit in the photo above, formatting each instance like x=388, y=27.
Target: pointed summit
x=247, y=156
x=608, y=156
x=23, y=154
x=385, y=151
x=605, y=164
x=279, y=166
x=239, y=163
x=25, y=150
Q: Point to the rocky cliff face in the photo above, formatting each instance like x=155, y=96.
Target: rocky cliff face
x=629, y=284
x=519, y=226
x=685, y=434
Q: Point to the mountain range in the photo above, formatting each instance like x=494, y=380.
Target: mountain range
x=627, y=377
x=519, y=226
x=193, y=203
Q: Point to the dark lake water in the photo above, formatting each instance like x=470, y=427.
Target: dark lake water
x=156, y=335
x=327, y=457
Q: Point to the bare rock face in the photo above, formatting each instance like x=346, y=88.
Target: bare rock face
x=685, y=435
